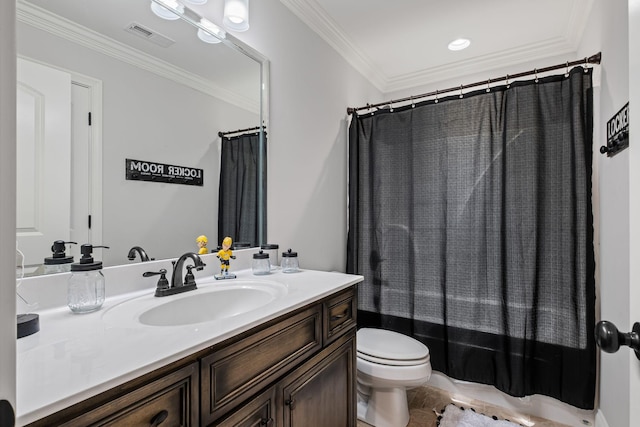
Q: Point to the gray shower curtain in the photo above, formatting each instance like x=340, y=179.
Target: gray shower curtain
x=471, y=222
x=241, y=181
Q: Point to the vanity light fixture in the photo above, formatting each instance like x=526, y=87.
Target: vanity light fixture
x=196, y=1
x=236, y=15
x=213, y=33
x=167, y=9
x=459, y=44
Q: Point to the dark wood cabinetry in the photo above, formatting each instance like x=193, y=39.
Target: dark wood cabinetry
x=170, y=400
x=321, y=392
x=296, y=370
x=238, y=370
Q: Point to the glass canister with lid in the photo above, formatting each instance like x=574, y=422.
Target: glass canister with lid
x=260, y=264
x=290, y=262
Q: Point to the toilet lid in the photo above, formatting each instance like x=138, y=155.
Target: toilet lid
x=383, y=344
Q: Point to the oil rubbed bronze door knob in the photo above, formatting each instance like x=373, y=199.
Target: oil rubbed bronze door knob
x=610, y=339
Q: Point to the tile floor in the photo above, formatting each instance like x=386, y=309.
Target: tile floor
x=425, y=401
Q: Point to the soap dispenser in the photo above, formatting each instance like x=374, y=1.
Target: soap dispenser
x=58, y=262
x=85, y=292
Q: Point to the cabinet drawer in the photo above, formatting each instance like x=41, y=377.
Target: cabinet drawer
x=258, y=412
x=168, y=401
x=240, y=369
x=339, y=315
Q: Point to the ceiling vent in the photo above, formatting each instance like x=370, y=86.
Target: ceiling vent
x=148, y=34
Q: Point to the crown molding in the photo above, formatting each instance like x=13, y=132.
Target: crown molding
x=505, y=58
x=312, y=14
x=309, y=12
x=58, y=26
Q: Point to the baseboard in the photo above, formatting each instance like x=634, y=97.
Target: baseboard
x=600, y=419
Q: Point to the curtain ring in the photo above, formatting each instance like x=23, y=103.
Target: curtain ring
x=536, y=74
x=370, y=108
x=488, y=86
x=436, y=100
x=460, y=92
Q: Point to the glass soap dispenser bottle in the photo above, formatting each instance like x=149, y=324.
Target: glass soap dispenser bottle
x=85, y=291
x=58, y=262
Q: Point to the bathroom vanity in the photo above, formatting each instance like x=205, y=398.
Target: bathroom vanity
x=289, y=361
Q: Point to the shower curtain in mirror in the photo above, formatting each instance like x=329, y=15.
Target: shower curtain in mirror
x=240, y=182
x=471, y=222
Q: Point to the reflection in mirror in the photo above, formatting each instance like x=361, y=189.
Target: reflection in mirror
x=104, y=85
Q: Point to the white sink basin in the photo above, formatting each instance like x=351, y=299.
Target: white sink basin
x=205, y=304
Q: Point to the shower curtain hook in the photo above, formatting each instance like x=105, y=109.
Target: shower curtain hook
x=536, y=73
x=436, y=101
x=586, y=65
x=566, y=74
x=488, y=85
x=413, y=104
x=391, y=106
x=507, y=80
x=460, y=92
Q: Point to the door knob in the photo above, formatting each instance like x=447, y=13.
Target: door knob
x=609, y=338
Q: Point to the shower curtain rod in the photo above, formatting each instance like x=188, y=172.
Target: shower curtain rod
x=221, y=134
x=594, y=59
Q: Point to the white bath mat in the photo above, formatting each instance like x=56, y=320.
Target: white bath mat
x=452, y=416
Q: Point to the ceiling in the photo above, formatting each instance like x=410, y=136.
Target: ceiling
x=403, y=43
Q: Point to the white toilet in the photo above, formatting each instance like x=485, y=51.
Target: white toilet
x=388, y=364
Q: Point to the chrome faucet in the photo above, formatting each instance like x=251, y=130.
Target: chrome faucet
x=132, y=254
x=189, y=280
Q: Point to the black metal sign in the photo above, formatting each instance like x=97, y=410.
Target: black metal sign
x=617, y=133
x=142, y=170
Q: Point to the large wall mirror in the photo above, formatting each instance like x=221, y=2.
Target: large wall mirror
x=158, y=96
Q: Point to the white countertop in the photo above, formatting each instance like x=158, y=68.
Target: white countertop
x=76, y=356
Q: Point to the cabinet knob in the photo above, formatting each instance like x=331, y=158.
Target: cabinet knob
x=266, y=422
x=159, y=418
x=291, y=403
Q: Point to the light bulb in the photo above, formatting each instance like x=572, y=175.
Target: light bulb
x=236, y=15
x=169, y=9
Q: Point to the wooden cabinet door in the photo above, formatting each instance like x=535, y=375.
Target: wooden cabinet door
x=321, y=392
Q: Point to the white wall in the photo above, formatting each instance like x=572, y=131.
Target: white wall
x=607, y=31
x=634, y=212
x=7, y=207
x=311, y=87
x=147, y=117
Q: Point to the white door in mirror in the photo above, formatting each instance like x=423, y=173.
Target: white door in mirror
x=43, y=159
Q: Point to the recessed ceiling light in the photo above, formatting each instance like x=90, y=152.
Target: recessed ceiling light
x=459, y=44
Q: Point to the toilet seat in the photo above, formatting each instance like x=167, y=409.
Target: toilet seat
x=390, y=348
x=393, y=362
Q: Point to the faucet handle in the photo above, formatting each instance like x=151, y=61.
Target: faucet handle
x=163, y=283
x=189, y=278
